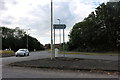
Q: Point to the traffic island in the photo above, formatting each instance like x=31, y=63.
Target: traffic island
x=65, y=63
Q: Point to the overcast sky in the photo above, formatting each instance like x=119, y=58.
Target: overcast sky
x=35, y=15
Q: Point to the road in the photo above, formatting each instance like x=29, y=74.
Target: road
x=20, y=72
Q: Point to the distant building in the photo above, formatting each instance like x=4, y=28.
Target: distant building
x=48, y=46
x=57, y=46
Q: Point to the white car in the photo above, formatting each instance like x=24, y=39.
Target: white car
x=22, y=52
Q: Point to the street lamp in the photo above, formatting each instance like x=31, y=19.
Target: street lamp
x=1, y=39
x=27, y=37
x=58, y=20
x=52, y=49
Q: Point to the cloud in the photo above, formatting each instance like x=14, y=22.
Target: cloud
x=6, y=20
x=35, y=15
x=2, y=5
x=62, y=11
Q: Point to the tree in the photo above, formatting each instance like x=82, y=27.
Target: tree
x=100, y=31
x=15, y=39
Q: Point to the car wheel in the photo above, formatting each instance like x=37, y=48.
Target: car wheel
x=24, y=54
x=28, y=54
x=16, y=55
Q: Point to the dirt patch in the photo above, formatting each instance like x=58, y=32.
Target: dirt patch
x=70, y=64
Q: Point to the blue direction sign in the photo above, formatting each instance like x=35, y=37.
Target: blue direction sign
x=59, y=26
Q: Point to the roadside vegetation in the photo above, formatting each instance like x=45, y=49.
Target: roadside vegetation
x=6, y=53
x=14, y=39
x=92, y=53
x=99, y=32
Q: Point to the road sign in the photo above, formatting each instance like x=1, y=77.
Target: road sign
x=59, y=26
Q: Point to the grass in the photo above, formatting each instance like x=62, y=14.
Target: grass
x=91, y=53
x=6, y=53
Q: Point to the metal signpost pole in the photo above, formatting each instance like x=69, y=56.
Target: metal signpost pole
x=59, y=33
x=61, y=26
x=63, y=42
x=54, y=40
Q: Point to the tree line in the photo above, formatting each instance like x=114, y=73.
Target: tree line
x=15, y=39
x=100, y=31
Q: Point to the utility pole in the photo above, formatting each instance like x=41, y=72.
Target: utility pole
x=52, y=49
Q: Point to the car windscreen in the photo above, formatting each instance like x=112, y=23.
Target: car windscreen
x=21, y=50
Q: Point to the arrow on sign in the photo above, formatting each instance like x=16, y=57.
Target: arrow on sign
x=59, y=26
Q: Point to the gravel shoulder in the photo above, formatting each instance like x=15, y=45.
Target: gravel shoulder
x=66, y=63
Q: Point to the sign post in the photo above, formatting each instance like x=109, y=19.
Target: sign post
x=60, y=26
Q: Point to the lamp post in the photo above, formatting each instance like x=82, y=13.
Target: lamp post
x=52, y=49
x=27, y=37
x=1, y=39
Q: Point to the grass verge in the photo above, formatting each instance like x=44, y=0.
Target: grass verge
x=91, y=53
x=6, y=53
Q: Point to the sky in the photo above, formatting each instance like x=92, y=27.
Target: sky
x=35, y=15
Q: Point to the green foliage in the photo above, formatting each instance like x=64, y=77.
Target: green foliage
x=100, y=31
x=15, y=39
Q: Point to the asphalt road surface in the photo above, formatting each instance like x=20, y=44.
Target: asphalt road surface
x=20, y=72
